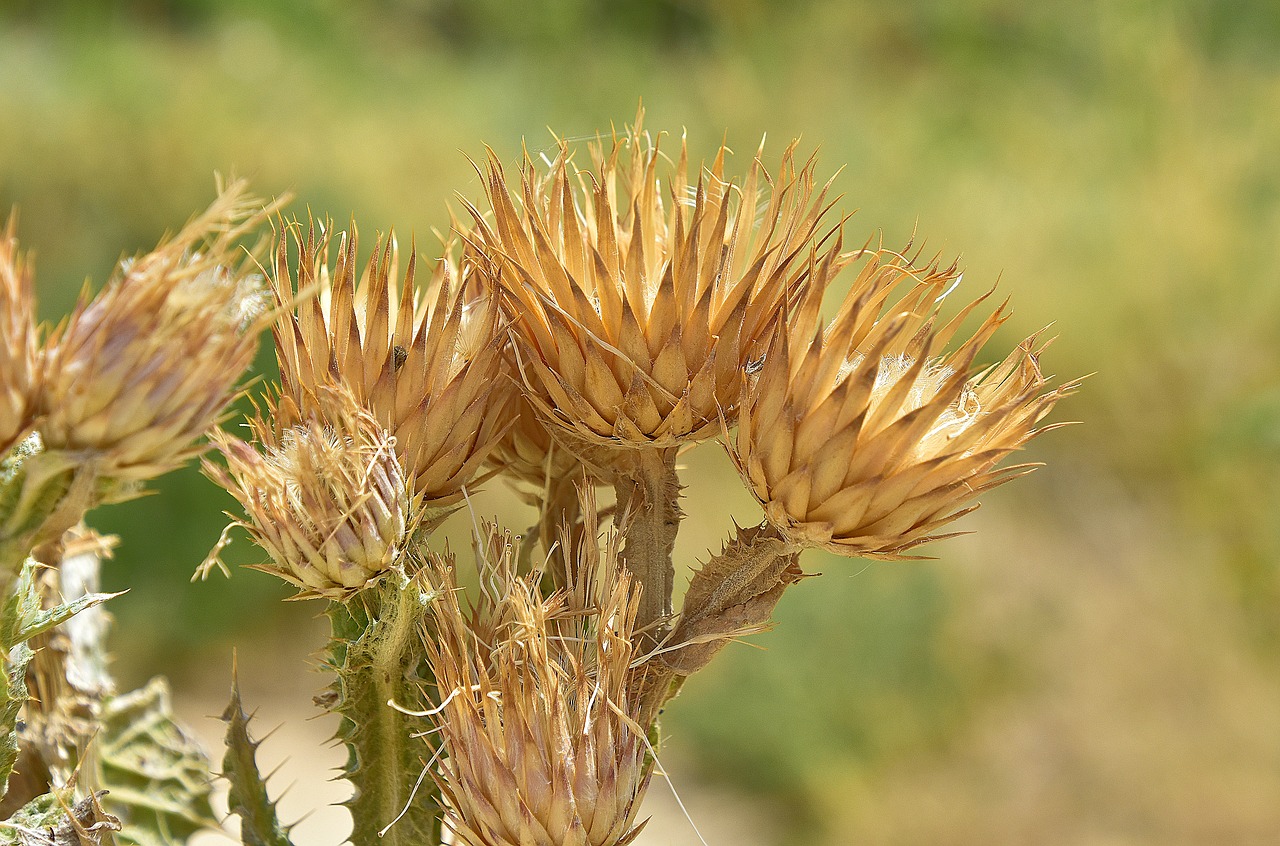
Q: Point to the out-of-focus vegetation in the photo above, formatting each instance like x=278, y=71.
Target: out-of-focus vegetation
x=1101, y=662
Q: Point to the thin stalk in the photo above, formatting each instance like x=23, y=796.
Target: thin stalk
x=561, y=510
x=649, y=509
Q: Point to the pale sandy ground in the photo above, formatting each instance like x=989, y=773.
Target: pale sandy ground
x=299, y=747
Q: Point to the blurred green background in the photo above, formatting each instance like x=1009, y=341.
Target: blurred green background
x=1100, y=662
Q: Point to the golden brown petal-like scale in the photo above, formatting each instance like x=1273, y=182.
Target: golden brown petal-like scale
x=19, y=374
x=866, y=436
x=142, y=370
x=427, y=364
x=636, y=299
x=541, y=742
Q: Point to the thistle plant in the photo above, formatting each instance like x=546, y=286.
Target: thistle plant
x=118, y=393
x=600, y=313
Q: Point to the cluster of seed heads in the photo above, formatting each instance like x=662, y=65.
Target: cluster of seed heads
x=597, y=314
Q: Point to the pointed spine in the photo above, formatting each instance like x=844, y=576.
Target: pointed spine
x=378, y=658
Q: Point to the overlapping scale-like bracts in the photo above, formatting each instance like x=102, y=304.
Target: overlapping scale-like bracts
x=637, y=294
x=139, y=372
x=19, y=373
x=427, y=364
x=541, y=740
x=324, y=496
x=868, y=435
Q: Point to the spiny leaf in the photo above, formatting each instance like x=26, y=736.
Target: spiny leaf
x=14, y=694
x=51, y=820
x=248, y=798
x=157, y=774
x=20, y=607
x=42, y=621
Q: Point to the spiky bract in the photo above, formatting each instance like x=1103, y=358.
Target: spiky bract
x=327, y=499
x=18, y=369
x=143, y=369
x=636, y=300
x=427, y=364
x=866, y=436
x=541, y=742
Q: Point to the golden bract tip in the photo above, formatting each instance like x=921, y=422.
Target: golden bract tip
x=636, y=296
x=540, y=736
x=325, y=498
x=866, y=436
x=19, y=373
x=142, y=370
x=427, y=364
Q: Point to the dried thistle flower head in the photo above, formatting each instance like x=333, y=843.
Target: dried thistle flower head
x=18, y=369
x=143, y=369
x=427, y=365
x=636, y=300
x=541, y=743
x=866, y=437
x=325, y=498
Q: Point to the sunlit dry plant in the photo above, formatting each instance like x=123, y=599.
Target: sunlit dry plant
x=427, y=363
x=540, y=736
x=865, y=436
x=326, y=498
x=610, y=311
x=18, y=369
x=140, y=371
x=531, y=458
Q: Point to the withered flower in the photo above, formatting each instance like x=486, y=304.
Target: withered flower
x=635, y=299
x=143, y=369
x=18, y=369
x=540, y=739
x=867, y=436
x=325, y=498
x=427, y=365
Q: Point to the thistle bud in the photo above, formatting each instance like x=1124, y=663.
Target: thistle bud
x=143, y=369
x=635, y=301
x=326, y=498
x=18, y=371
x=868, y=436
x=540, y=735
x=427, y=364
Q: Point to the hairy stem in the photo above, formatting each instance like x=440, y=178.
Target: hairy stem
x=649, y=510
x=378, y=659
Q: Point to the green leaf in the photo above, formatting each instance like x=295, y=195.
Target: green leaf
x=20, y=606
x=13, y=695
x=46, y=619
x=22, y=618
x=52, y=820
x=248, y=797
x=157, y=775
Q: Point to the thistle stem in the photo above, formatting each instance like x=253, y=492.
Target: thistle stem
x=378, y=659
x=560, y=522
x=649, y=509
